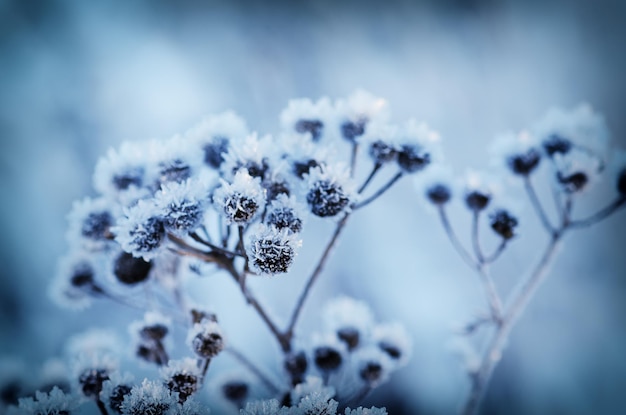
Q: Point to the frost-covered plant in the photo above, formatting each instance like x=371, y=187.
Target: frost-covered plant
x=220, y=199
x=570, y=148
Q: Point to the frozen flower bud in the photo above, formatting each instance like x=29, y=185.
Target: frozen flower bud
x=214, y=151
x=274, y=189
x=327, y=358
x=116, y=397
x=412, y=158
x=91, y=381
x=382, y=152
x=240, y=200
x=313, y=127
x=271, y=251
x=302, y=168
x=556, y=144
x=438, y=194
x=518, y=152
x=182, y=377
x=90, y=223
x=206, y=339
x=296, y=365
x=130, y=270
x=350, y=130
x=503, y=223
x=153, y=327
x=148, y=398
x=357, y=111
x=574, y=182
x=121, y=171
x=141, y=231
x=328, y=193
x=479, y=190
x=252, y=154
x=349, y=319
x=76, y=281
x=563, y=131
x=236, y=391
x=477, y=200
x=151, y=352
x=307, y=117
x=268, y=407
x=175, y=170
x=182, y=205
x=526, y=163
x=394, y=341
x=285, y=213
x=212, y=136
x=373, y=366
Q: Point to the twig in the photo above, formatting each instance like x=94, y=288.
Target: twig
x=216, y=248
x=600, y=215
x=496, y=254
x=316, y=272
x=494, y=350
x=475, y=238
x=254, y=369
x=101, y=407
x=378, y=193
x=463, y=253
x=375, y=170
x=353, y=157
x=537, y=205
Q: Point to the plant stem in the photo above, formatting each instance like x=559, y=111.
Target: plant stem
x=378, y=193
x=495, y=304
x=353, y=157
x=213, y=247
x=101, y=407
x=475, y=238
x=537, y=205
x=492, y=356
x=316, y=272
x=375, y=170
x=600, y=215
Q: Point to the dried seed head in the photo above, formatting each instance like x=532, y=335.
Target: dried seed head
x=91, y=381
x=214, y=151
x=350, y=336
x=556, y=144
x=327, y=358
x=412, y=158
x=116, y=397
x=526, y=163
x=130, y=270
x=438, y=194
x=235, y=391
x=503, y=223
x=314, y=127
x=477, y=200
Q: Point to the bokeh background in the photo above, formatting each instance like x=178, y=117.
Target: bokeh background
x=79, y=77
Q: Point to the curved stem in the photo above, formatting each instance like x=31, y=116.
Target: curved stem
x=353, y=157
x=496, y=254
x=475, y=238
x=378, y=193
x=534, y=199
x=375, y=170
x=213, y=247
x=316, y=272
x=495, y=304
x=600, y=215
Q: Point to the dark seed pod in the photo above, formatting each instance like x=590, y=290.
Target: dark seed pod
x=130, y=270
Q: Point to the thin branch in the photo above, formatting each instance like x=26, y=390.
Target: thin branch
x=534, y=199
x=475, y=238
x=213, y=247
x=101, y=407
x=271, y=386
x=494, y=350
x=463, y=253
x=316, y=272
x=600, y=215
x=375, y=170
x=192, y=251
x=380, y=191
x=495, y=304
x=496, y=254
x=353, y=158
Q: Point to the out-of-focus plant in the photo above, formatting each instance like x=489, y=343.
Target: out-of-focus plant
x=574, y=146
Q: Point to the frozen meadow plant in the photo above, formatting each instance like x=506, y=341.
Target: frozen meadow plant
x=225, y=201
x=570, y=147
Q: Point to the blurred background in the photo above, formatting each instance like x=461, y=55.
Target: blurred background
x=77, y=78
